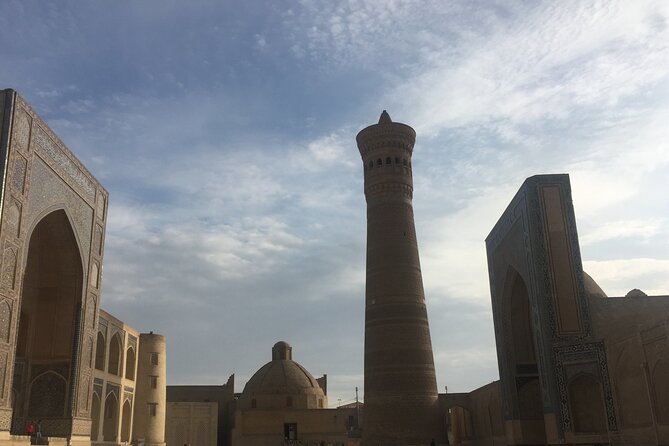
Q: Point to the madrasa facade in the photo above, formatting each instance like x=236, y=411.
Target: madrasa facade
x=576, y=366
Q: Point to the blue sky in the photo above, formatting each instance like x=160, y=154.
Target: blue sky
x=225, y=134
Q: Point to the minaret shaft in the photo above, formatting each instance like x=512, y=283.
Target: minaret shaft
x=400, y=382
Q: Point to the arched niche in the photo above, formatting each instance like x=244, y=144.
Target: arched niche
x=130, y=360
x=631, y=392
x=110, y=419
x=521, y=355
x=48, y=394
x=126, y=415
x=95, y=417
x=51, y=300
x=115, y=349
x=100, y=351
x=586, y=403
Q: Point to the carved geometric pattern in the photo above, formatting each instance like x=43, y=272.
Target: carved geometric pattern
x=89, y=351
x=13, y=218
x=97, y=240
x=101, y=206
x=5, y=320
x=8, y=278
x=84, y=393
x=586, y=354
x=5, y=419
x=91, y=310
x=64, y=163
x=47, y=396
x=81, y=426
x=19, y=173
x=21, y=131
x=94, y=274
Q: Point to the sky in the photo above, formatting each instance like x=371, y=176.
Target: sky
x=224, y=132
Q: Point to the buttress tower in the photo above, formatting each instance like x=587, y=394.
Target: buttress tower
x=400, y=384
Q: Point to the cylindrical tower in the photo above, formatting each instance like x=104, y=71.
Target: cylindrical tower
x=150, y=395
x=400, y=383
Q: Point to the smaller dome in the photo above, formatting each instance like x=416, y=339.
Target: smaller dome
x=282, y=383
x=636, y=293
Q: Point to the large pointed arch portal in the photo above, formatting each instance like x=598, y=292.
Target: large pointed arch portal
x=47, y=343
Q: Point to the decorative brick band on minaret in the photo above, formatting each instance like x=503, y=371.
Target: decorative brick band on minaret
x=400, y=383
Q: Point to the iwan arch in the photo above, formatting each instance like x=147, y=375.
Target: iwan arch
x=53, y=217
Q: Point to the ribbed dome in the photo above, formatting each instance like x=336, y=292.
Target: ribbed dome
x=282, y=383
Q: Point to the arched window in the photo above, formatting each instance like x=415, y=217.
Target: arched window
x=130, y=364
x=397, y=160
x=100, y=352
x=114, y=363
x=379, y=162
x=388, y=160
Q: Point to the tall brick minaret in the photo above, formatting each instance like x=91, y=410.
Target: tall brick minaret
x=400, y=383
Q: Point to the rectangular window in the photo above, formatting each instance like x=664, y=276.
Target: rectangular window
x=154, y=358
x=153, y=408
x=153, y=380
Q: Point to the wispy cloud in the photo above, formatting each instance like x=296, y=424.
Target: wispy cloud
x=237, y=208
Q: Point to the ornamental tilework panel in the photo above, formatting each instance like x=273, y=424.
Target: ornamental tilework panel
x=97, y=240
x=8, y=277
x=51, y=191
x=84, y=394
x=5, y=418
x=21, y=131
x=81, y=426
x=589, y=358
x=91, y=310
x=47, y=396
x=101, y=203
x=46, y=146
x=20, y=168
x=12, y=220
